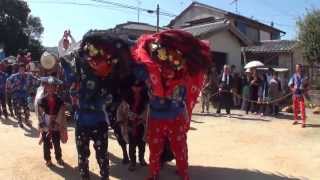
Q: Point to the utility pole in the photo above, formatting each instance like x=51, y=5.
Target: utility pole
x=139, y=4
x=236, y=4
x=158, y=14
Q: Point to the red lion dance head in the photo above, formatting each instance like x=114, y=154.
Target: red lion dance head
x=174, y=57
x=105, y=53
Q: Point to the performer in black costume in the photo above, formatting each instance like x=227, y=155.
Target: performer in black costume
x=96, y=74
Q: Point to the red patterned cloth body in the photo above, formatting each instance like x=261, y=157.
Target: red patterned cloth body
x=172, y=99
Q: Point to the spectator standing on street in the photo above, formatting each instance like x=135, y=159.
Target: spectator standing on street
x=263, y=94
x=208, y=91
x=245, y=91
x=225, y=90
x=237, y=89
x=52, y=125
x=19, y=85
x=298, y=85
x=254, y=84
x=275, y=91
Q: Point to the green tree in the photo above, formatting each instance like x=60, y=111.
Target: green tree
x=36, y=48
x=19, y=29
x=34, y=31
x=34, y=28
x=309, y=35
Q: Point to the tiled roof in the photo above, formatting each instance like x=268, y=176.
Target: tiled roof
x=214, y=27
x=272, y=46
x=137, y=26
x=140, y=27
x=221, y=11
x=207, y=28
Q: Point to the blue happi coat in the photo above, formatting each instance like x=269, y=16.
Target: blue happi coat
x=93, y=94
x=21, y=85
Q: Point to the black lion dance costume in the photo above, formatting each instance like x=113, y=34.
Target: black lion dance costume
x=96, y=74
x=176, y=63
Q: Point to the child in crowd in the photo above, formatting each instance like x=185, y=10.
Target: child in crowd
x=132, y=114
x=52, y=120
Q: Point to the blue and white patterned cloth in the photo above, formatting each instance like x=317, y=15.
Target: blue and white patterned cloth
x=168, y=108
x=297, y=82
x=93, y=94
x=3, y=79
x=21, y=85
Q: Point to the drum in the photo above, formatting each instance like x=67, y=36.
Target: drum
x=48, y=61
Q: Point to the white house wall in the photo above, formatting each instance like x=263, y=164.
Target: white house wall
x=225, y=42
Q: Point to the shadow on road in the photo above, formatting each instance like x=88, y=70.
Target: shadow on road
x=284, y=116
x=120, y=171
x=209, y=173
x=193, y=128
x=9, y=121
x=70, y=173
x=197, y=122
x=31, y=132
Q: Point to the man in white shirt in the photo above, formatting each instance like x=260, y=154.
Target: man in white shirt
x=65, y=46
x=269, y=74
x=225, y=90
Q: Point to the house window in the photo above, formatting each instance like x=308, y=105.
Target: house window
x=250, y=32
x=241, y=26
x=275, y=35
x=253, y=34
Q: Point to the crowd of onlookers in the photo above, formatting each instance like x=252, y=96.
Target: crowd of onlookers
x=251, y=91
x=257, y=91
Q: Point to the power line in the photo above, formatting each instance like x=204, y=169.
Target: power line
x=108, y=7
x=275, y=23
x=270, y=5
x=74, y=3
x=133, y=7
x=165, y=11
x=65, y=3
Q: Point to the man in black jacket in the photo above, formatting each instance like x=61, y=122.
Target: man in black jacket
x=225, y=90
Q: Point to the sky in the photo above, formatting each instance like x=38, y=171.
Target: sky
x=79, y=19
